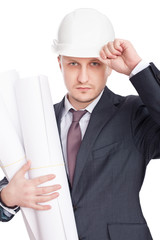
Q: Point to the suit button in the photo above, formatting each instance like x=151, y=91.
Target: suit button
x=75, y=208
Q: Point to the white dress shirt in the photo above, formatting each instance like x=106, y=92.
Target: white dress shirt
x=66, y=121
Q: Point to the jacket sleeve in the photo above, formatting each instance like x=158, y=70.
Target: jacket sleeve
x=146, y=114
x=6, y=213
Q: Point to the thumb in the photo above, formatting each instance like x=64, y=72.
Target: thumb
x=24, y=168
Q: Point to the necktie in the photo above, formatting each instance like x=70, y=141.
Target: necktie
x=73, y=141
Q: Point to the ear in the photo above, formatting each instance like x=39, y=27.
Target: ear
x=59, y=61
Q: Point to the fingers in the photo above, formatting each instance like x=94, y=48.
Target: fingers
x=43, y=199
x=41, y=207
x=46, y=190
x=102, y=54
x=39, y=180
x=117, y=44
x=39, y=195
x=35, y=181
x=111, y=50
x=46, y=198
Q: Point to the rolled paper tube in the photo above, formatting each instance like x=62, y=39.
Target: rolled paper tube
x=43, y=148
x=11, y=150
x=12, y=157
x=7, y=82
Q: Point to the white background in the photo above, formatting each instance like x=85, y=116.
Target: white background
x=27, y=28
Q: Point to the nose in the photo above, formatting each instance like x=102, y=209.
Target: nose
x=83, y=75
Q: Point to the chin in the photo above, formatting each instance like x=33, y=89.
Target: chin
x=84, y=99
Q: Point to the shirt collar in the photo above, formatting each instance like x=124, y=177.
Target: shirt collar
x=89, y=108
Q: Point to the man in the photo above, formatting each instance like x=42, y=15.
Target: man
x=120, y=135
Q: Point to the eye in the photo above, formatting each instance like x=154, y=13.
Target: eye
x=95, y=63
x=73, y=63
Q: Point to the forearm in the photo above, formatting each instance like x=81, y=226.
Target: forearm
x=147, y=84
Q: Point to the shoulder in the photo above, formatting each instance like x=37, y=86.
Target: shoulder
x=58, y=107
x=128, y=100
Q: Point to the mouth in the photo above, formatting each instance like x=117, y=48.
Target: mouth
x=83, y=88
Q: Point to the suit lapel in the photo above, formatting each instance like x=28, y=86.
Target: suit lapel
x=58, y=112
x=101, y=114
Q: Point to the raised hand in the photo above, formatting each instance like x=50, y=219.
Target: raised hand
x=120, y=55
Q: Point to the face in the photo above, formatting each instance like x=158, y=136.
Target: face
x=84, y=78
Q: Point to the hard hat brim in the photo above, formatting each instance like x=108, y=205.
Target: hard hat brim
x=76, y=51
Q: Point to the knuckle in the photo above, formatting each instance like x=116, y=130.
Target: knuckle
x=28, y=188
x=43, y=190
x=109, y=55
x=109, y=44
x=29, y=203
x=29, y=193
x=38, y=180
x=105, y=48
x=41, y=199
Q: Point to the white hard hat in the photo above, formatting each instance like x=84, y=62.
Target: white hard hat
x=82, y=33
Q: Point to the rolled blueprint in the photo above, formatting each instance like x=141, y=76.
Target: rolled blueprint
x=12, y=155
x=43, y=148
x=7, y=93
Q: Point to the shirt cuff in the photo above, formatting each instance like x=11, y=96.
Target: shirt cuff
x=140, y=66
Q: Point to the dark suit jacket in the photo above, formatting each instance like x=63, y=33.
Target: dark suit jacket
x=122, y=136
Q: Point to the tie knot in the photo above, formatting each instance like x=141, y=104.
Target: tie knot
x=77, y=115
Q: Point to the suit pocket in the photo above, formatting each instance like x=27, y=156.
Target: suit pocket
x=129, y=231
x=105, y=150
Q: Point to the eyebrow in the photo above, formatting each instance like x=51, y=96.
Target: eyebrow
x=95, y=60
x=76, y=60
x=70, y=60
